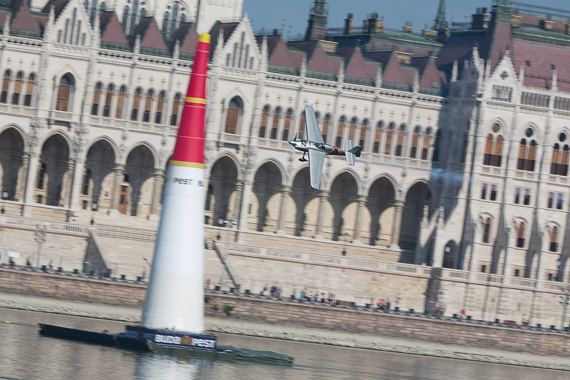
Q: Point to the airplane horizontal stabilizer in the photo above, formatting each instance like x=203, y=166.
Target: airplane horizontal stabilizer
x=348, y=154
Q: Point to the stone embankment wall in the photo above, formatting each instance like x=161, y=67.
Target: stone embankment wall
x=297, y=314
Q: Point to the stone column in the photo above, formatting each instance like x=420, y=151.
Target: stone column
x=68, y=183
x=236, y=208
x=244, y=207
x=474, y=261
x=21, y=189
x=285, y=192
x=542, y=255
x=324, y=195
x=119, y=173
x=361, y=201
x=31, y=183
x=511, y=239
x=156, y=192
x=397, y=226
x=76, y=186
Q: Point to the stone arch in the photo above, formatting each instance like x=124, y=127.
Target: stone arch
x=98, y=179
x=343, y=196
x=352, y=172
x=266, y=197
x=111, y=142
x=53, y=184
x=12, y=146
x=22, y=133
x=138, y=179
x=306, y=200
x=150, y=147
x=229, y=155
x=221, y=196
x=418, y=195
x=279, y=166
x=380, y=205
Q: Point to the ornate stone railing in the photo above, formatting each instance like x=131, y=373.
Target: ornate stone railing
x=322, y=258
x=495, y=279
x=50, y=226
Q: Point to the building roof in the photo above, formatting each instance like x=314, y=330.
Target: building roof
x=188, y=37
x=111, y=30
x=151, y=38
x=22, y=18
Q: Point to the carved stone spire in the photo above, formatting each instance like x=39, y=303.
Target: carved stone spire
x=317, y=28
x=440, y=21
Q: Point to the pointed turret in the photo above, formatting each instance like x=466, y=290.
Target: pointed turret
x=317, y=28
x=440, y=21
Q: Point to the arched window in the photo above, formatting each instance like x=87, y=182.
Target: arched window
x=362, y=134
x=425, y=144
x=5, y=86
x=263, y=123
x=275, y=125
x=96, y=99
x=340, y=130
x=559, y=163
x=64, y=91
x=29, y=90
x=17, y=88
x=120, y=102
x=352, y=128
x=436, y=146
x=159, y=107
x=498, y=152
x=326, y=122
x=527, y=152
x=415, y=140
x=175, y=110
x=136, y=104
x=520, y=235
x=400, y=141
x=389, y=137
x=42, y=176
x=486, y=230
x=287, y=125
x=488, y=150
x=554, y=239
x=232, y=117
x=86, y=181
x=302, y=122
x=108, y=100
x=148, y=105
x=377, y=137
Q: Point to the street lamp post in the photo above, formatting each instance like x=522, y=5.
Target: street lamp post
x=229, y=223
x=40, y=239
x=564, y=301
x=345, y=237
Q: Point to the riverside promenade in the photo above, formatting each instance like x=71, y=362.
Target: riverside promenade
x=298, y=321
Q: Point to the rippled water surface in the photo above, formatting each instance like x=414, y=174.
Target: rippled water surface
x=24, y=354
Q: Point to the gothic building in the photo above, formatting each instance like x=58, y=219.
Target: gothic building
x=464, y=127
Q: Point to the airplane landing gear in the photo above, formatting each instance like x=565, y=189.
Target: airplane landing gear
x=303, y=159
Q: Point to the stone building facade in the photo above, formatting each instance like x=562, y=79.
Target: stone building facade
x=464, y=131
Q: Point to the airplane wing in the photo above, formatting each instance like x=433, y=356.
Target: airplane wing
x=316, y=163
x=313, y=130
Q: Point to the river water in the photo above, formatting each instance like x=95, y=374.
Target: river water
x=25, y=354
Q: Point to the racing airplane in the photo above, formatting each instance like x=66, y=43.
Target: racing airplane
x=318, y=149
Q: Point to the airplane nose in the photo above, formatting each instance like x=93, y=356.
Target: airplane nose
x=291, y=142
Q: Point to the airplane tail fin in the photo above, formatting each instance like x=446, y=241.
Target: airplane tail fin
x=356, y=150
x=348, y=152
